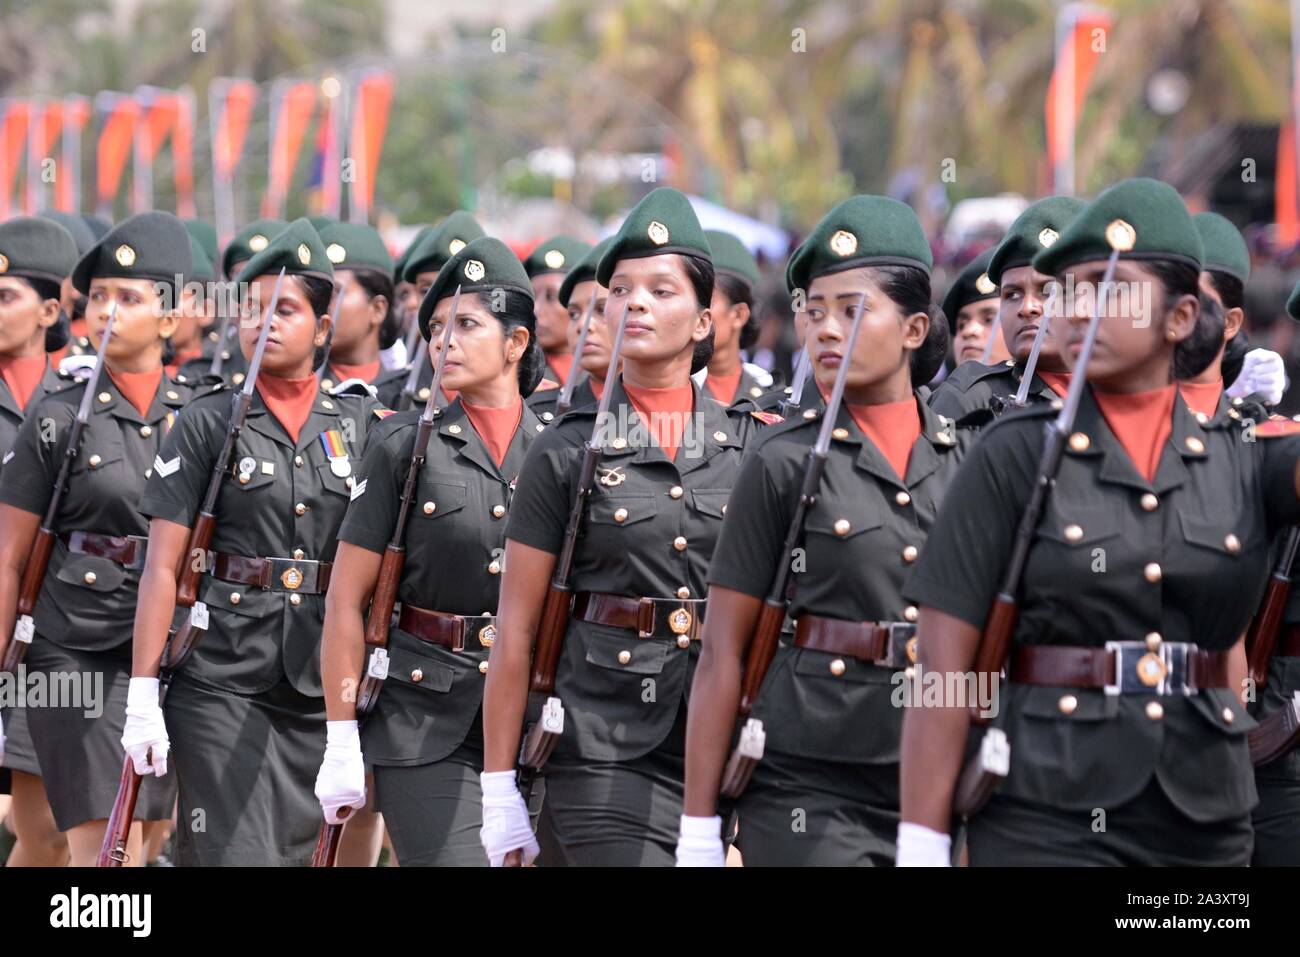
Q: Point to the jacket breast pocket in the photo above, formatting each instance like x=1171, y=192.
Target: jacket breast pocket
x=710, y=501
x=247, y=482
x=440, y=499
x=627, y=508
x=242, y=601
x=1216, y=535
x=1079, y=527
x=607, y=647
x=95, y=574
x=338, y=484
x=843, y=520
x=92, y=462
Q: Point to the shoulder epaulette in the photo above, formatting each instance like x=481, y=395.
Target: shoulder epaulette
x=384, y=413
x=767, y=418
x=355, y=386
x=1276, y=427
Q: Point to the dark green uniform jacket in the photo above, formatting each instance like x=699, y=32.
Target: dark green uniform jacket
x=455, y=551
x=1117, y=558
x=11, y=417
x=293, y=500
x=650, y=529
x=387, y=384
x=233, y=363
x=88, y=603
x=973, y=386
x=543, y=402
x=853, y=573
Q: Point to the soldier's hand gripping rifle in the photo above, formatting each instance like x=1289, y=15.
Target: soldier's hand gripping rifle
x=991, y=762
x=112, y=852
x=540, y=738
x=407, y=398
x=384, y=598
x=1279, y=731
x=565, y=401
x=29, y=590
x=767, y=632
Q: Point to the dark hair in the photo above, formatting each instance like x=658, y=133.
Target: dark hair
x=1234, y=357
x=739, y=293
x=319, y=291
x=516, y=311
x=57, y=335
x=1194, y=354
x=381, y=284
x=1230, y=289
x=909, y=288
x=702, y=277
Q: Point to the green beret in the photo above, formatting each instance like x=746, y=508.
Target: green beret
x=356, y=246
x=971, y=285
x=662, y=223
x=36, y=248
x=861, y=231
x=76, y=227
x=789, y=267
x=297, y=249
x=399, y=266
x=584, y=270
x=731, y=256
x=98, y=225
x=320, y=222
x=482, y=265
x=1142, y=218
x=557, y=254
x=1033, y=230
x=1225, y=249
x=206, y=234
x=250, y=241
x=442, y=242
x=151, y=245
x=203, y=270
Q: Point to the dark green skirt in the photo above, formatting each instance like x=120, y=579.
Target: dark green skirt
x=1277, y=821
x=20, y=753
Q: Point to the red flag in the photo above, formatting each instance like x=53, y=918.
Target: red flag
x=14, y=115
x=67, y=186
x=1078, y=49
x=372, y=99
x=290, y=114
x=1284, y=195
x=115, y=134
x=183, y=155
x=236, y=110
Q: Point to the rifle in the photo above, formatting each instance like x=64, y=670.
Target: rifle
x=223, y=340
x=991, y=762
x=540, y=738
x=802, y=369
x=1261, y=637
x=762, y=647
x=1276, y=734
x=112, y=852
x=407, y=399
x=384, y=597
x=988, y=344
x=565, y=401
x=1022, y=394
x=29, y=590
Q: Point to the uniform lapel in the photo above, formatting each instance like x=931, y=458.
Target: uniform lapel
x=324, y=417
x=935, y=441
x=456, y=430
x=1187, y=439
x=708, y=431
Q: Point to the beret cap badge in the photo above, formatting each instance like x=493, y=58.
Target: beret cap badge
x=474, y=270
x=257, y=242
x=657, y=232
x=4, y=262
x=336, y=253
x=124, y=255
x=554, y=259
x=984, y=284
x=1120, y=235
x=304, y=254
x=843, y=243
x=455, y=246
x=1047, y=236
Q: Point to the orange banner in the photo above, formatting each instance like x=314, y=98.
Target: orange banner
x=115, y=134
x=1081, y=48
x=372, y=99
x=290, y=116
x=236, y=110
x=76, y=110
x=183, y=156
x=159, y=119
x=1286, y=202
x=13, y=129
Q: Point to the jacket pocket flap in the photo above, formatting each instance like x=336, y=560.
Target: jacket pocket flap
x=88, y=571
x=444, y=497
x=622, y=509
x=419, y=670
x=619, y=650
x=1067, y=704
x=252, y=601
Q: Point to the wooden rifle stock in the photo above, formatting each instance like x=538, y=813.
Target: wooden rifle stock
x=384, y=598
x=1261, y=637
x=762, y=650
x=995, y=642
x=187, y=586
x=1276, y=734
x=29, y=589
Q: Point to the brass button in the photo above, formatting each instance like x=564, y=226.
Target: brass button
x=619, y=442
x=327, y=383
x=326, y=404
x=1155, y=710
x=679, y=543
x=90, y=578
x=842, y=527
x=676, y=492
x=724, y=510
x=1202, y=418
x=454, y=429
x=1195, y=444
x=683, y=592
x=237, y=378
x=909, y=672
x=295, y=599
x=235, y=598
x=424, y=393
x=624, y=657
x=1148, y=502
x=1152, y=572
x=547, y=416
x=620, y=514
x=839, y=433
x=105, y=397
x=910, y=613
x=1067, y=704
x=1232, y=543
x=837, y=667
x=498, y=511
x=810, y=413
x=1237, y=401
x=683, y=641
x=902, y=498
x=1228, y=716
x=173, y=394
x=482, y=667
x=94, y=461
x=300, y=509
x=417, y=675
x=245, y=478
x=1073, y=533
x=299, y=554
x=719, y=436
x=494, y=568
x=1153, y=640
x=910, y=553
x=146, y=431
x=148, y=473
x=1079, y=442
x=1234, y=414
x=348, y=481
x=297, y=461
x=429, y=508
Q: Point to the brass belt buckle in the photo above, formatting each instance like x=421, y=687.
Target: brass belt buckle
x=487, y=635
x=680, y=621
x=291, y=578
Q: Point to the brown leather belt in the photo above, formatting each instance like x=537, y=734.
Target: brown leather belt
x=676, y=618
x=126, y=550
x=889, y=644
x=1122, y=667
x=1288, y=643
x=298, y=575
x=441, y=628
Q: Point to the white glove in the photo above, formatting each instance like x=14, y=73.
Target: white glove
x=1263, y=372
x=341, y=780
x=145, y=736
x=699, y=842
x=918, y=846
x=505, y=819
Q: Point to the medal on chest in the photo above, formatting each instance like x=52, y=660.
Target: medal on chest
x=337, y=453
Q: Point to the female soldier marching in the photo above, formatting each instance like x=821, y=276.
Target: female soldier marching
x=89, y=591
x=890, y=461
x=245, y=710
x=425, y=736
x=614, y=782
x=1127, y=738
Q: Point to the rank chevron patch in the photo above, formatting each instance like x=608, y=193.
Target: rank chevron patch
x=166, y=468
